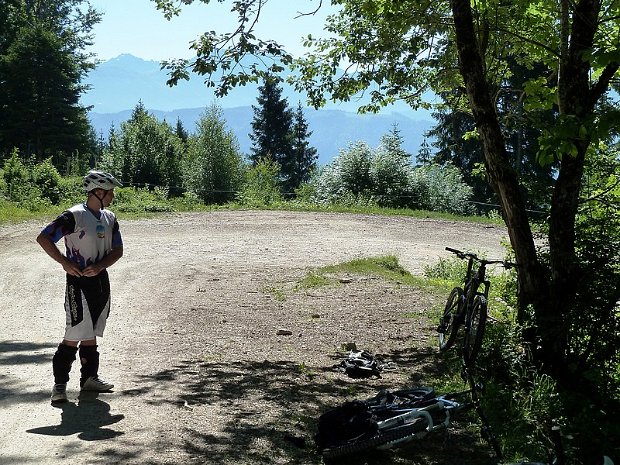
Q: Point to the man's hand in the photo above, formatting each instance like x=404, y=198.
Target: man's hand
x=92, y=270
x=72, y=268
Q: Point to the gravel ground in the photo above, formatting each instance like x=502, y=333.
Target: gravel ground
x=202, y=374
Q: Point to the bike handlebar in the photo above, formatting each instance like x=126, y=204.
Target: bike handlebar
x=473, y=256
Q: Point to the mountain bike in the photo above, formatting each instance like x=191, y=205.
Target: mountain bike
x=467, y=306
x=393, y=419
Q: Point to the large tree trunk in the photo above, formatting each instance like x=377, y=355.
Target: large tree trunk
x=533, y=285
x=576, y=101
x=551, y=296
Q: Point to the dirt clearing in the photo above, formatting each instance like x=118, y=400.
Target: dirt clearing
x=192, y=343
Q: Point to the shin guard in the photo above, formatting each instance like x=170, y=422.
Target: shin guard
x=90, y=362
x=61, y=363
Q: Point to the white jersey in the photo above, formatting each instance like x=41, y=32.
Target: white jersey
x=87, y=238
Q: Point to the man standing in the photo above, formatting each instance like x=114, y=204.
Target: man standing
x=92, y=244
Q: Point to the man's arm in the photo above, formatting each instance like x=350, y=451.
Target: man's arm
x=50, y=248
x=107, y=261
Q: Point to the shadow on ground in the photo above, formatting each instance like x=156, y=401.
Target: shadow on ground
x=89, y=418
x=266, y=411
x=14, y=355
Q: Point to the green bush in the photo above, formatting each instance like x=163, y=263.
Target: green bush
x=16, y=177
x=440, y=188
x=37, y=186
x=450, y=269
x=71, y=190
x=45, y=176
x=3, y=186
x=386, y=178
x=138, y=200
x=261, y=187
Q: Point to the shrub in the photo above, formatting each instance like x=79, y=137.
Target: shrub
x=361, y=176
x=389, y=175
x=440, y=188
x=47, y=179
x=137, y=200
x=261, y=187
x=16, y=177
x=71, y=189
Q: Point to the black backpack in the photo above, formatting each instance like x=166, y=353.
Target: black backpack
x=349, y=421
x=357, y=419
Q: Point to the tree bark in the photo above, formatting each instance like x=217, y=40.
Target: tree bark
x=533, y=285
x=554, y=295
x=575, y=102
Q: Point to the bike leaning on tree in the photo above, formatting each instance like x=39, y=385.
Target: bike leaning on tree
x=467, y=306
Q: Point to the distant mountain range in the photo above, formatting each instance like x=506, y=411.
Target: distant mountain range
x=117, y=85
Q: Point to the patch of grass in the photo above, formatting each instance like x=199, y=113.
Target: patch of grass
x=386, y=267
x=312, y=280
x=303, y=369
x=277, y=293
x=134, y=203
x=129, y=203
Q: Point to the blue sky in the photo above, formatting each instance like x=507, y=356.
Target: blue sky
x=138, y=28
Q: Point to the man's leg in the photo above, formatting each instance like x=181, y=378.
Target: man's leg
x=89, y=357
x=61, y=365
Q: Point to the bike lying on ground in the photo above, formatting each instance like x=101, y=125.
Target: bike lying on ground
x=467, y=307
x=393, y=419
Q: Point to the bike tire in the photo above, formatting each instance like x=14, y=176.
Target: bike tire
x=381, y=438
x=449, y=320
x=475, y=333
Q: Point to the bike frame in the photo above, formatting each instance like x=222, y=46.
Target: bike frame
x=472, y=283
x=441, y=404
x=467, y=306
x=474, y=279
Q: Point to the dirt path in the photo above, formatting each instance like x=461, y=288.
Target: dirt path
x=201, y=374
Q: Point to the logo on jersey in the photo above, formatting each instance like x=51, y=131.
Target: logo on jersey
x=100, y=231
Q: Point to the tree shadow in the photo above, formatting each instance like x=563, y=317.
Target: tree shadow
x=14, y=355
x=88, y=418
x=19, y=353
x=268, y=410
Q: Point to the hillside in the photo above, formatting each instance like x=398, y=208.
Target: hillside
x=117, y=85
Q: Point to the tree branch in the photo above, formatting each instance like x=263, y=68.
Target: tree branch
x=601, y=86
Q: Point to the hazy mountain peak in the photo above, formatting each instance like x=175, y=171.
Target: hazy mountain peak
x=118, y=84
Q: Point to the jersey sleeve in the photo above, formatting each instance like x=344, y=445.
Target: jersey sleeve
x=60, y=227
x=117, y=239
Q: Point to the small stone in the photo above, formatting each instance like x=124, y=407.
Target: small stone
x=284, y=332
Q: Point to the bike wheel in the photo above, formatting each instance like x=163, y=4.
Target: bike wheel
x=449, y=323
x=382, y=438
x=475, y=332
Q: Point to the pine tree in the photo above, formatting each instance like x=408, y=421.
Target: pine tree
x=42, y=62
x=145, y=152
x=392, y=142
x=181, y=132
x=213, y=166
x=272, y=129
x=452, y=147
x=304, y=157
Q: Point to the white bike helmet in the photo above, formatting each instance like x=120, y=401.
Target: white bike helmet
x=100, y=180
